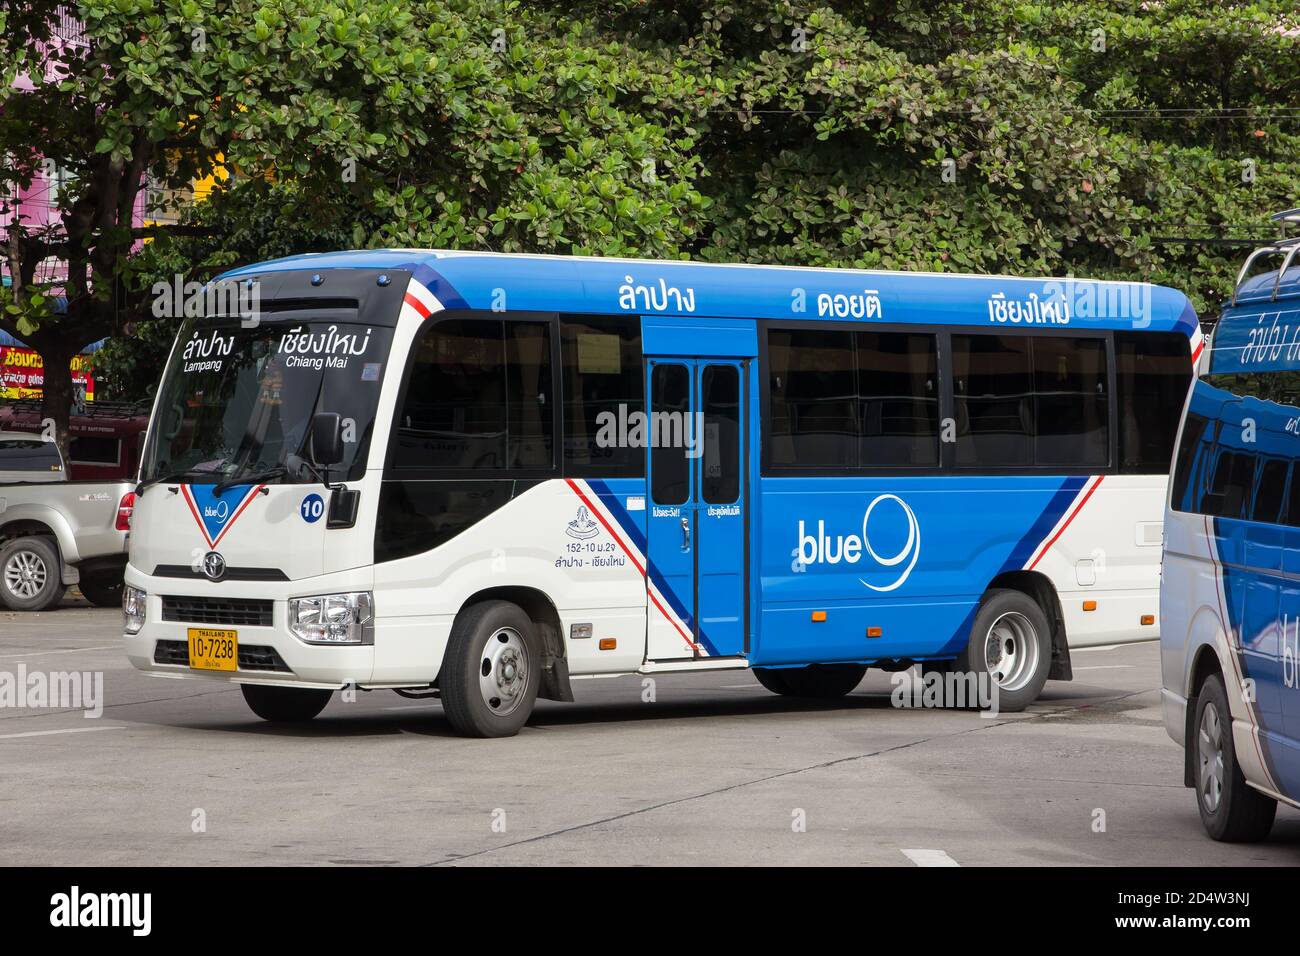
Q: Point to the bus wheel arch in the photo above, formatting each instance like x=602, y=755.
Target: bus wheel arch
x=1040, y=589
x=546, y=619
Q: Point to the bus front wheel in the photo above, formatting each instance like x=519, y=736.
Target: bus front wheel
x=1231, y=810
x=819, y=682
x=285, y=705
x=1010, y=649
x=492, y=670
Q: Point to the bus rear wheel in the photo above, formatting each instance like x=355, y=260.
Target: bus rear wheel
x=819, y=682
x=1010, y=648
x=285, y=705
x=492, y=670
x=1231, y=810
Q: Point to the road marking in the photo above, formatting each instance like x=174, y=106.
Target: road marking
x=64, y=650
x=929, y=858
x=50, y=733
x=1102, y=667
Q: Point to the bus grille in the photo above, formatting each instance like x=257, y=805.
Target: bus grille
x=252, y=657
x=233, y=612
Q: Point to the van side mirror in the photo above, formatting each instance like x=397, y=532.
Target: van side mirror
x=326, y=438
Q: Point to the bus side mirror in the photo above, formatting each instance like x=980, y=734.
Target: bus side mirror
x=326, y=438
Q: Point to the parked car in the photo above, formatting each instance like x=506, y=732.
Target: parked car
x=55, y=532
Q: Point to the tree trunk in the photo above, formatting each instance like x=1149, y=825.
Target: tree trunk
x=57, y=394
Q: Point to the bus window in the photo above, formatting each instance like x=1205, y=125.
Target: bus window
x=1071, y=407
x=898, y=391
x=1230, y=485
x=603, y=375
x=1270, y=490
x=1152, y=373
x=670, y=468
x=720, y=402
x=813, y=391
x=993, y=396
x=1189, y=454
x=479, y=397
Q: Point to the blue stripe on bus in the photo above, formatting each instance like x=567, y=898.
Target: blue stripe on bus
x=630, y=528
x=442, y=290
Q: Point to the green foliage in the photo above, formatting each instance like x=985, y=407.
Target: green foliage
x=1075, y=134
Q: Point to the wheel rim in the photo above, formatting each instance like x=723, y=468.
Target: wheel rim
x=1210, y=750
x=25, y=574
x=503, y=671
x=1011, y=651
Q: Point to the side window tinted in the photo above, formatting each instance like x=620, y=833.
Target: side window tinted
x=898, y=395
x=1071, y=407
x=845, y=399
x=1191, y=454
x=1270, y=491
x=993, y=399
x=670, y=466
x=604, y=383
x=1152, y=373
x=479, y=397
x=813, y=398
x=720, y=463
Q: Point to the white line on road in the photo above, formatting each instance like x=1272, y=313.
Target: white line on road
x=929, y=858
x=62, y=650
x=66, y=730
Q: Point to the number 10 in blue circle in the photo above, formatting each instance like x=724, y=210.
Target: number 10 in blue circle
x=313, y=506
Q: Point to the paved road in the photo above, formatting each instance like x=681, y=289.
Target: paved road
x=715, y=771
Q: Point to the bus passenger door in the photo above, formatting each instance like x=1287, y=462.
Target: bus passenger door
x=696, y=526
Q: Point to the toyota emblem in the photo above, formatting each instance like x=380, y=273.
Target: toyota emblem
x=214, y=566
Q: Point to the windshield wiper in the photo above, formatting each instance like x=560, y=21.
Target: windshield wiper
x=275, y=471
x=173, y=476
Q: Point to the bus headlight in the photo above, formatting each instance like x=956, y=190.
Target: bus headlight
x=133, y=603
x=332, y=618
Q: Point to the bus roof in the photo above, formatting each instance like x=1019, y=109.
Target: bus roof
x=544, y=283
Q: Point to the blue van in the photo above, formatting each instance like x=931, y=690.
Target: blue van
x=1230, y=581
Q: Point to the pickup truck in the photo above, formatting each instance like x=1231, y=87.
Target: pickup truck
x=55, y=532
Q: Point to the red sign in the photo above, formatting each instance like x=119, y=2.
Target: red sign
x=22, y=373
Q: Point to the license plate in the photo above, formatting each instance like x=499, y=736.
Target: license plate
x=213, y=649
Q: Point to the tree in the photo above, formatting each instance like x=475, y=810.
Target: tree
x=155, y=91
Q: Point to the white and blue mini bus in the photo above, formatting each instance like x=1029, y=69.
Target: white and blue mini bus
x=1230, y=594
x=481, y=476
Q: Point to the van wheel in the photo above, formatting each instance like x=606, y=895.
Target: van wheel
x=819, y=681
x=492, y=670
x=31, y=575
x=1011, y=643
x=1231, y=810
x=102, y=590
x=285, y=705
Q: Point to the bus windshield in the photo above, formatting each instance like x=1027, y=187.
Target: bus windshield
x=239, y=401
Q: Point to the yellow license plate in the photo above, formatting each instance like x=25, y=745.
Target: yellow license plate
x=213, y=649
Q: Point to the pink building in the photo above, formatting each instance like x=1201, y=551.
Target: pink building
x=37, y=207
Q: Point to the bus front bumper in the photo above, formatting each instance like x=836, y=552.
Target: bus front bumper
x=268, y=653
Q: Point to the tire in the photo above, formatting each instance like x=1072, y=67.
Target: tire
x=31, y=574
x=491, y=671
x=102, y=590
x=285, y=705
x=817, y=682
x=772, y=678
x=1012, y=623
x=1231, y=810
